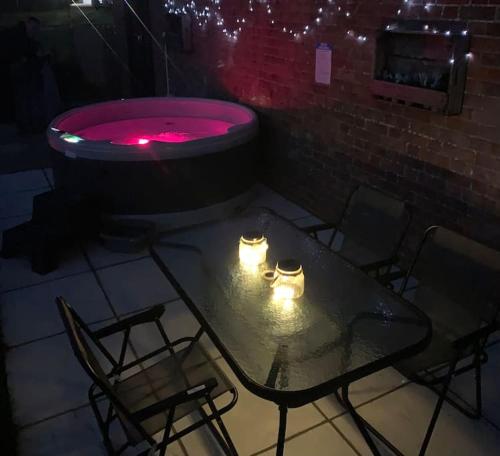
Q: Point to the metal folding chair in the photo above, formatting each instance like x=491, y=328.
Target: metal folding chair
x=459, y=289
x=147, y=400
x=373, y=224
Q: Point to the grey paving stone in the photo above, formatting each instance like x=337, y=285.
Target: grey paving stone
x=136, y=285
x=31, y=313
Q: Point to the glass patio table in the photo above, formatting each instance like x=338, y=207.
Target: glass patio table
x=345, y=327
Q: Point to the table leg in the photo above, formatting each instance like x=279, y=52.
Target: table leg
x=282, y=430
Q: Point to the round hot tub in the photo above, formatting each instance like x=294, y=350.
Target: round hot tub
x=156, y=155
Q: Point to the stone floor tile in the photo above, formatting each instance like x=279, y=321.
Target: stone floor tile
x=16, y=272
x=323, y=440
x=31, y=313
x=135, y=285
x=363, y=391
x=403, y=417
x=22, y=181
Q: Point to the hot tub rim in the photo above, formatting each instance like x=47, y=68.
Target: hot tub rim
x=154, y=150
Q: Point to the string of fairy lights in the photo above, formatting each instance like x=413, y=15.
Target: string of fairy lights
x=204, y=12
x=212, y=11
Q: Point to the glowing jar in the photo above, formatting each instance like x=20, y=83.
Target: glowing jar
x=253, y=249
x=288, y=280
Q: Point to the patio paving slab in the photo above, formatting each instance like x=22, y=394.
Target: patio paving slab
x=266, y=197
x=50, y=175
x=10, y=222
x=403, y=417
x=22, y=181
x=464, y=386
x=73, y=434
x=31, y=313
x=101, y=257
x=19, y=203
x=16, y=272
x=45, y=378
x=363, y=391
x=323, y=440
x=135, y=285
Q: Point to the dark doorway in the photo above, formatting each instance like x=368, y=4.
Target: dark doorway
x=140, y=48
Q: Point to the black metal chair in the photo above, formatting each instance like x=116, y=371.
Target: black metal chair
x=155, y=397
x=374, y=225
x=459, y=289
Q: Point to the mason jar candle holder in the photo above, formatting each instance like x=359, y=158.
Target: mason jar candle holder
x=288, y=280
x=253, y=249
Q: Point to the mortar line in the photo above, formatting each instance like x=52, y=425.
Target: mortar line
x=91, y=267
x=335, y=428
x=287, y=439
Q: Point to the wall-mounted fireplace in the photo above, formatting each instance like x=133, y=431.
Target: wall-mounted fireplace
x=423, y=64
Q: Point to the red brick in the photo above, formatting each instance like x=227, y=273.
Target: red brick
x=483, y=13
x=491, y=59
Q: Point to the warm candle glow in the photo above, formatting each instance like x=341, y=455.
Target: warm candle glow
x=284, y=292
x=253, y=249
x=286, y=308
x=288, y=280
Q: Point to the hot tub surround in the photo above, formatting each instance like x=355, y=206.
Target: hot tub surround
x=156, y=155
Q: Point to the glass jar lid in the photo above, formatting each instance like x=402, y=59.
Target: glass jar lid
x=252, y=237
x=289, y=267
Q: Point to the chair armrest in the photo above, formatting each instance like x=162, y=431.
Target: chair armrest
x=148, y=316
x=317, y=228
x=468, y=340
x=193, y=393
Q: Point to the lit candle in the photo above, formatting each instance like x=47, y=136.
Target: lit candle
x=253, y=249
x=288, y=280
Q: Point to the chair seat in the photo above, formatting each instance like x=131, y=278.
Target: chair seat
x=171, y=375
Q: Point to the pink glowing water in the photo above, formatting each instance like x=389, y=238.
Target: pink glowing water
x=162, y=129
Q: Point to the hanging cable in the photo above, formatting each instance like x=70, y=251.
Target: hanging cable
x=162, y=49
x=101, y=36
x=167, y=76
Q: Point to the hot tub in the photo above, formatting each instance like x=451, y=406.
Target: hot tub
x=149, y=156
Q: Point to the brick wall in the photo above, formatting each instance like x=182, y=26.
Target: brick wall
x=320, y=142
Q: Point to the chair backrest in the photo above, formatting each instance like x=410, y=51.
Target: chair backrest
x=81, y=340
x=373, y=225
x=458, y=282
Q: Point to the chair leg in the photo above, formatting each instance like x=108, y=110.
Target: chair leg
x=360, y=423
x=215, y=432
x=364, y=427
x=166, y=434
x=229, y=447
x=464, y=407
x=437, y=410
x=479, y=396
x=103, y=428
